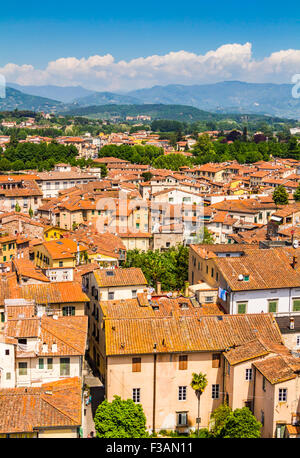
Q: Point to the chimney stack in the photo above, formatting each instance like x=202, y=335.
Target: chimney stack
x=292, y=323
x=158, y=287
x=186, y=289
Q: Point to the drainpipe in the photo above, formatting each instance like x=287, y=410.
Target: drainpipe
x=154, y=392
x=223, y=379
x=254, y=383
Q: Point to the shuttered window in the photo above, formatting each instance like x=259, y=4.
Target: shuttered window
x=136, y=364
x=273, y=306
x=296, y=305
x=216, y=360
x=242, y=307
x=183, y=359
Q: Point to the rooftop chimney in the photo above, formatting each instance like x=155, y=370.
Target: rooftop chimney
x=292, y=323
x=158, y=287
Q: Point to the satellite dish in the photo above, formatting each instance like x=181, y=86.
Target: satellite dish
x=241, y=277
x=295, y=244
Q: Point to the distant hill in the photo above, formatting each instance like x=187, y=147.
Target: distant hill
x=104, y=98
x=227, y=97
x=18, y=100
x=157, y=111
x=181, y=113
x=64, y=94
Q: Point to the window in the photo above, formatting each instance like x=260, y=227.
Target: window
x=262, y=417
x=41, y=363
x=134, y=291
x=136, y=394
x=61, y=263
x=183, y=359
x=7, y=352
x=68, y=311
x=273, y=305
x=64, y=366
x=280, y=428
x=212, y=272
x=215, y=391
x=182, y=393
x=182, y=419
x=209, y=299
x=296, y=305
x=246, y=277
x=282, y=395
x=111, y=296
x=248, y=375
x=136, y=364
x=242, y=307
x=50, y=363
x=22, y=368
x=264, y=383
x=8, y=375
x=298, y=341
x=216, y=360
x=2, y=317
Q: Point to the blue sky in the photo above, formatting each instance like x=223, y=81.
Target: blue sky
x=37, y=33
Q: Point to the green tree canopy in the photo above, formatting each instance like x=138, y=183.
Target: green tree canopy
x=120, y=419
x=297, y=194
x=280, y=195
x=170, y=267
x=241, y=423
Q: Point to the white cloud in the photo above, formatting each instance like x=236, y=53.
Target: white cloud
x=228, y=62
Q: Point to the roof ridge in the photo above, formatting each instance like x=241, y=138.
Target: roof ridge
x=56, y=408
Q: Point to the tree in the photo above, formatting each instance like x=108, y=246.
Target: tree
x=147, y=176
x=297, y=194
x=280, y=195
x=170, y=267
x=17, y=207
x=198, y=383
x=241, y=423
x=219, y=418
x=30, y=212
x=120, y=419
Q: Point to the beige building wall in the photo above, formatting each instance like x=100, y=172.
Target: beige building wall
x=121, y=381
x=36, y=376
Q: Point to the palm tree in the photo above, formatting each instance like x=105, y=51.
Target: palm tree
x=198, y=383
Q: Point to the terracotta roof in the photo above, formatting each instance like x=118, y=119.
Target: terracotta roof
x=26, y=268
x=246, y=351
x=186, y=333
x=69, y=333
x=278, y=368
x=56, y=404
x=62, y=248
x=120, y=277
x=267, y=269
x=50, y=293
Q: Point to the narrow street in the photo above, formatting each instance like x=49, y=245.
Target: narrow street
x=97, y=393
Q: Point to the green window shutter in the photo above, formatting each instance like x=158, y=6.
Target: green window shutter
x=242, y=308
x=2, y=317
x=272, y=306
x=296, y=305
x=50, y=363
x=4, y=258
x=41, y=363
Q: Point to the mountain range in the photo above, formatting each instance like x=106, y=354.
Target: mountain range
x=224, y=97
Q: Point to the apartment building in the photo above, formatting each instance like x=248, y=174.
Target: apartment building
x=157, y=357
x=249, y=279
